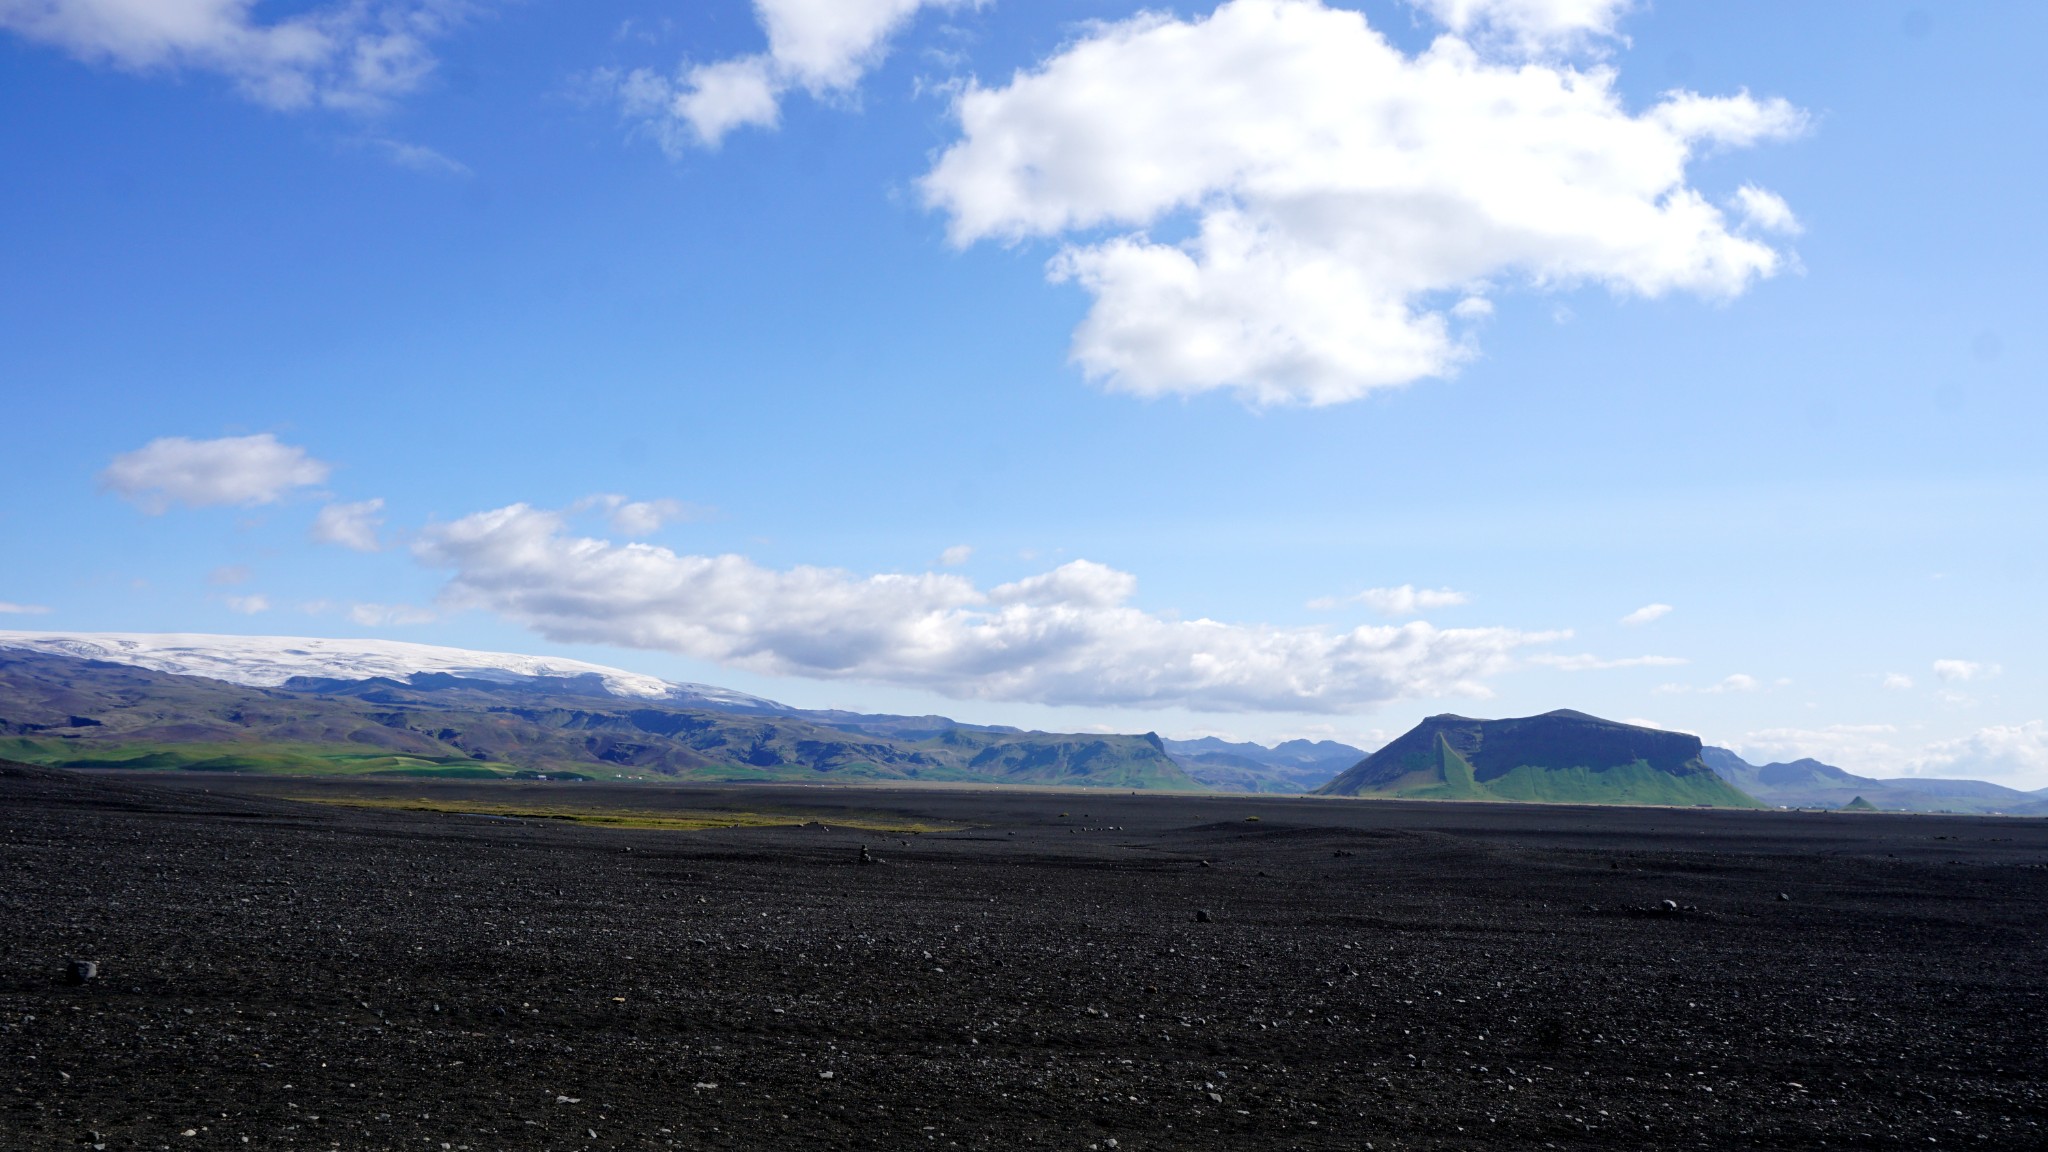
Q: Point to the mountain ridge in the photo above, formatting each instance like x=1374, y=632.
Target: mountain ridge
x=66, y=710
x=1809, y=783
x=1290, y=766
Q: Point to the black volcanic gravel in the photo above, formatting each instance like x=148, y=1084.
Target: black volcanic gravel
x=1373, y=975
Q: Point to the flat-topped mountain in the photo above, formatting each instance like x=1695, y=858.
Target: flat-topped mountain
x=1559, y=757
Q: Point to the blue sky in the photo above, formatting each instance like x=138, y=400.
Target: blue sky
x=925, y=384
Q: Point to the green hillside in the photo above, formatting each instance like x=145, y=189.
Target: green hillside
x=1560, y=757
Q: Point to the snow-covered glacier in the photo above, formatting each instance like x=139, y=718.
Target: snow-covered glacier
x=269, y=661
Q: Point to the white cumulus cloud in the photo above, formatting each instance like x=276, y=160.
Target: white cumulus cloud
x=350, y=525
x=352, y=54
x=1646, y=614
x=821, y=46
x=1067, y=636
x=1328, y=206
x=233, y=470
x=1962, y=671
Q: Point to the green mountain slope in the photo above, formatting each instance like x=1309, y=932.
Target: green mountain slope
x=57, y=710
x=1560, y=757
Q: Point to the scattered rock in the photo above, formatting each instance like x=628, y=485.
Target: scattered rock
x=1784, y=896
x=81, y=971
x=1669, y=905
x=1202, y=916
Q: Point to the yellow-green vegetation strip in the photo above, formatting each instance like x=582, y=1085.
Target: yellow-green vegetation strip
x=673, y=821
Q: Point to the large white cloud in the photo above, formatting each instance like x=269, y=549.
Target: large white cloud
x=233, y=470
x=350, y=53
x=822, y=46
x=1330, y=210
x=1068, y=636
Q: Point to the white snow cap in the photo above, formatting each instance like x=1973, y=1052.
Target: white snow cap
x=269, y=661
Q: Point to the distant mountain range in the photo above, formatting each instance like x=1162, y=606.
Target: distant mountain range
x=1812, y=784
x=303, y=704
x=1294, y=766
x=1558, y=757
x=98, y=702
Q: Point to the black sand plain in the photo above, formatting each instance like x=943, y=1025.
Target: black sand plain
x=1372, y=975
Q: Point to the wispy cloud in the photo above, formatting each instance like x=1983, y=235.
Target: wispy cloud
x=379, y=615
x=350, y=54
x=350, y=525
x=240, y=471
x=640, y=517
x=823, y=48
x=10, y=608
x=1405, y=600
x=1964, y=671
x=1735, y=682
x=1533, y=27
x=1586, y=662
x=418, y=157
x=1648, y=613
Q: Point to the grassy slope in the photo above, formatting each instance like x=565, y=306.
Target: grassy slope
x=276, y=759
x=1636, y=783
x=1449, y=776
